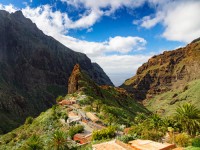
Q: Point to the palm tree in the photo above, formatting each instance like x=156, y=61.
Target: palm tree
x=59, y=140
x=34, y=143
x=189, y=117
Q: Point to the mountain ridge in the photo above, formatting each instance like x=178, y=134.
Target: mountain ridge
x=34, y=69
x=163, y=80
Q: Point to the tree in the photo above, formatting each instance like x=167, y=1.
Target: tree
x=189, y=117
x=34, y=143
x=59, y=140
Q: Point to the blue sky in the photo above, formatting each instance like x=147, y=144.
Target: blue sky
x=119, y=35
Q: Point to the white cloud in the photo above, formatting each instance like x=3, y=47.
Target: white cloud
x=125, y=44
x=121, y=67
x=95, y=10
x=180, y=19
x=148, y=21
x=117, y=44
x=182, y=22
x=9, y=8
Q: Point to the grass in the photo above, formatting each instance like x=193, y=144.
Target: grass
x=168, y=101
x=192, y=148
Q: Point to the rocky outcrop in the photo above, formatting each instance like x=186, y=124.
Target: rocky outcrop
x=73, y=84
x=170, y=70
x=81, y=81
x=34, y=69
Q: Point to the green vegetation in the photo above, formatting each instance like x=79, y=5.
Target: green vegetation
x=41, y=130
x=127, y=138
x=29, y=120
x=106, y=133
x=189, y=117
x=59, y=140
x=196, y=142
x=166, y=103
x=59, y=98
x=34, y=143
x=151, y=128
x=182, y=139
x=75, y=129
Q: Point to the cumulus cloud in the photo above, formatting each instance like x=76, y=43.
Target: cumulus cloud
x=183, y=23
x=95, y=10
x=149, y=21
x=121, y=45
x=180, y=19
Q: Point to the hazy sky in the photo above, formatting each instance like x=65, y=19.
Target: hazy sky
x=119, y=35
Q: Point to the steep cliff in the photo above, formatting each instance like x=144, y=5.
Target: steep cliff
x=170, y=70
x=34, y=69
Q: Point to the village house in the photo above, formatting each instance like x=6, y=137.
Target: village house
x=82, y=138
x=67, y=102
x=150, y=145
x=112, y=145
x=92, y=116
x=73, y=117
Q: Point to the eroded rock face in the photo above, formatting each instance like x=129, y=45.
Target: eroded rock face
x=34, y=69
x=73, y=84
x=172, y=69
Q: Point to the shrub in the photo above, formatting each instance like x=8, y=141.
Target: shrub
x=59, y=98
x=151, y=135
x=106, y=133
x=64, y=116
x=29, y=120
x=196, y=142
x=127, y=138
x=75, y=129
x=185, y=88
x=182, y=139
x=175, y=95
x=9, y=137
x=88, y=108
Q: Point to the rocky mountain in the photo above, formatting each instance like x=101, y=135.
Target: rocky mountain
x=171, y=72
x=166, y=71
x=34, y=69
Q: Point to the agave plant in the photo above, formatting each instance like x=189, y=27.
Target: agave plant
x=189, y=117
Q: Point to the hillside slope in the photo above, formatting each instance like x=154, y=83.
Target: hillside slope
x=166, y=103
x=170, y=70
x=157, y=80
x=112, y=104
x=34, y=69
